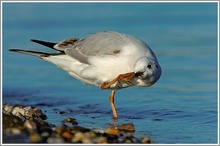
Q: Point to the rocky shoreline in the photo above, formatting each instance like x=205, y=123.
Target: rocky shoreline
x=26, y=124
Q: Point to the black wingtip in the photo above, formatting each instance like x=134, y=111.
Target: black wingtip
x=13, y=50
x=47, y=44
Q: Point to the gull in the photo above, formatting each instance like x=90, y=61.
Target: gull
x=107, y=59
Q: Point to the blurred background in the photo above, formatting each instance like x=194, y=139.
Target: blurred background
x=182, y=107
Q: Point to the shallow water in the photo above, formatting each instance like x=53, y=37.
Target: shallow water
x=182, y=107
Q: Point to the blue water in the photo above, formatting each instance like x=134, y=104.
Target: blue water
x=182, y=107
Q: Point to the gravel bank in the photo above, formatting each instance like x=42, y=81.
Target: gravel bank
x=26, y=124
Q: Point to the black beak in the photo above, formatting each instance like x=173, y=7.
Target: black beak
x=139, y=73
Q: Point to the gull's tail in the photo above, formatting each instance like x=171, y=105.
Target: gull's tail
x=34, y=53
x=39, y=54
x=47, y=44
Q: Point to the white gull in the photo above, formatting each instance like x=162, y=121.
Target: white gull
x=107, y=59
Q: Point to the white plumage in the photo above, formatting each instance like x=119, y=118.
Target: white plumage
x=110, y=60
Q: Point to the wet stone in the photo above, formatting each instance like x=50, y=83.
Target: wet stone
x=55, y=140
x=39, y=113
x=67, y=135
x=19, y=115
x=70, y=120
x=125, y=127
x=146, y=140
x=18, y=110
x=100, y=140
x=15, y=131
x=112, y=131
x=30, y=125
x=35, y=138
x=60, y=129
x=60, y=112
x=81, y=129
x=8, y=109
x=80, y=137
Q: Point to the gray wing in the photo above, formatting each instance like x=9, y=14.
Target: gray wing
x=98, y=44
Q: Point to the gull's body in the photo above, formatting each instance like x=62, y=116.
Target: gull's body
x=110, y=60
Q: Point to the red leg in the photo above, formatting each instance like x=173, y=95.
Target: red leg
x=111, y=100
x=122, y=77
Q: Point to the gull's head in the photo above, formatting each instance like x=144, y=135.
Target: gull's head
x=147, y=71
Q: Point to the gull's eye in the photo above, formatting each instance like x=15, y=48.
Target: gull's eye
x=149, y=66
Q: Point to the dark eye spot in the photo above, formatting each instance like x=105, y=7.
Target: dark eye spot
x=156, y=66
x=149, y=66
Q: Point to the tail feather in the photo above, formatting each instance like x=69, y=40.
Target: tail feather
x=34, y=53
x=47, y=44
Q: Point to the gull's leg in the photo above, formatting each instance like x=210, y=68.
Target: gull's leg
x=121, y=77
x=111, y=100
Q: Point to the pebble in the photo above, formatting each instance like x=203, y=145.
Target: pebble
x=112, y=131
x=147, y=140
x=60, y=129
x=45, y=134
x=70, y=120
x=55, y=140
x=60, y=112
x=19, y=115
x=35, y=138
x=8, y=109
x=79, y=137
x=15, y=131
x=67, y=135
x=125, y=127
x=100, y=140
x=39, y=113
x=30, y=125
x=18, y=110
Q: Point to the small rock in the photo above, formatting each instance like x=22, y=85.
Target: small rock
x=60, y=129
x=146, y=140
x=55, y=140
x=35, y=138
x=100, y=140
x=81, y=129
x=8, y=108
x=15, y=131
x=28, y=113
x=44, y=134
x=70, y=120
x=18, y=110
x=125, y=127
x=127, y=140
x=19, y=115
x=90, y=134
x=30, y=125
x=67, y=135
x=39, y=113
x=28, y=108
x=60, y=112
x=112, y=131
x=79, y=137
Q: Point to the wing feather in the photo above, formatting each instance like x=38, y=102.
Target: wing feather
x=98, y=44
x=102, y=43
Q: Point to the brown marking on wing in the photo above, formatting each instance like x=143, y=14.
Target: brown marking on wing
x=117, y=51
x=69, y=42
